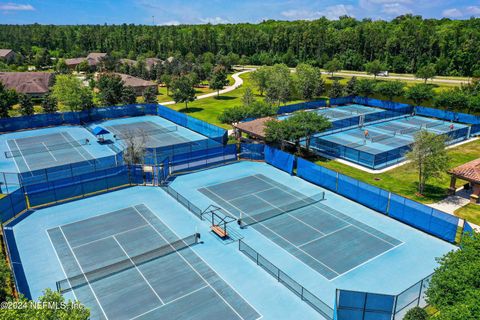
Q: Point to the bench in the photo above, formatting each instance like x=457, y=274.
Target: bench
x=219, y=231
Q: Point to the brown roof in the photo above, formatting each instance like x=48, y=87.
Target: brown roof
x=255, y=127
x=130, y=62
x=94, y=58
x=468, y=171
x=131, y=81
x=74, y=61
x=151, y=62
x=27, y=82
x=5, y=52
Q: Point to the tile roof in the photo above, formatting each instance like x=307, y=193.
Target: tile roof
x=469, y=171
x=131, y=81
x=5, y=52
x=74, y=61
x=27, y=82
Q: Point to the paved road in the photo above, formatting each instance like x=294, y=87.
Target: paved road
x=434, y=80
x=238, y=82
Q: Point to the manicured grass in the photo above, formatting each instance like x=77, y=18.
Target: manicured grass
x=210, y=108
x=470, y=212
x=403, y=179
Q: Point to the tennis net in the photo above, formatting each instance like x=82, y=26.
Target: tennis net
x=147, y=132
x=410, y=130
x=380, y=137
x=43, y=147
x=272, y=212
x=434, y=124
x=83, y=279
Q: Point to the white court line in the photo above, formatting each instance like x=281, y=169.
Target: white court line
x=24, y=160
x=170, y=302
x=283, y=249
x=325, y=235
x=342, y=218
x=229, y=285
x=81, y=269
x=188, y=263
x=246, y=195
x=109, y=236
x=136, y=268
x=61, y=265
x=74, y=147
x=14, y=161
x=55, y=159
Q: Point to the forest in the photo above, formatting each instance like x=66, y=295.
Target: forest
x=404, y=44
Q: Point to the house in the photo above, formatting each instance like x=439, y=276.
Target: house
x=138, y=84
x=34, y=84
x=93, y=59
x=150, y=63
x=7, y=55
x=128, y=62
x=469, y=172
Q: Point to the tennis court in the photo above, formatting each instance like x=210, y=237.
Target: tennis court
x=127, y=264
x=381, y=144
x=155, y=135
x=46, y=150
x=327, y=240
x=341, y=112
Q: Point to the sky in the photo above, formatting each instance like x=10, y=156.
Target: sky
x=174, y=12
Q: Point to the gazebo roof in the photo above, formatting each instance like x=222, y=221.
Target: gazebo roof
x=255, y=127
x=99, y=130
x=468, y=171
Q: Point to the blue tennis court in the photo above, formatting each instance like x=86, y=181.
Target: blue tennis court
x=384, y=143
x=323, y=238
x=324, y=244
x=341, y=112
x=42, y=151
x=128, y=264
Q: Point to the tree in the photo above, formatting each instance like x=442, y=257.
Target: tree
x=49, y=104
x=333, y=65
x=129, y=96
x=218, y=79
x=8, y=98
x=233, y=115
x=451, y=100
x=279, y=85
x=65, y=310
x=150, y=95
x=260, y=109
x=307, y=80
x=374, y=67
x=308, y=124
x=454, y=288
x=248, y=97
x=351, y=87
x=336, y=90
x=277, y=132
x=5, y=279
x=83, y=66
x=365, y=87
x=167, y=81
x=183, y=91
x=26, y=105
x=419, y=93
x=69, y=91
x=429, y=156
x=111, y=87
x=426, y=72
x=474, y=104
x=416, y=313
x=260, y=77
x=390, y=89
x=61, y=67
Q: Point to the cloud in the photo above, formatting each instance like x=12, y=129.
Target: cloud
x=474, y=10
x=169, y=23
x=452, y=13
x=10, y=6
x=331, y=12
x=215, y=20
x=395, y=9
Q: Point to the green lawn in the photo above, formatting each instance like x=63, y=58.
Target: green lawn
x=470, y=212
x=403, y=179
x=210, y=108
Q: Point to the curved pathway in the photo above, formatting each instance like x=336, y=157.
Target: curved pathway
x=238, y=82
